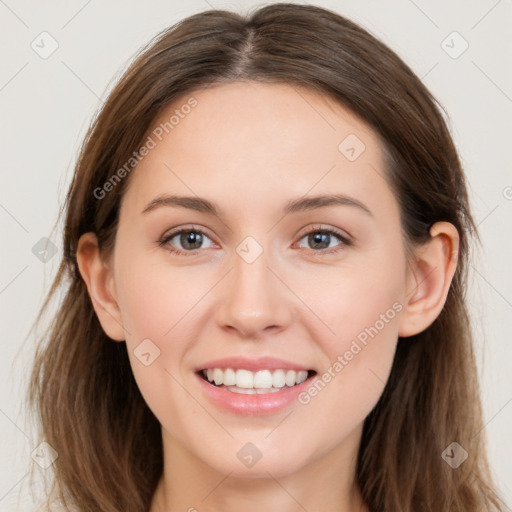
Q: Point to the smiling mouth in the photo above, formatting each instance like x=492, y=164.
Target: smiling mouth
x=255, y=383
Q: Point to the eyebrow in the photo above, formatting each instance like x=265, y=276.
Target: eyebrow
x=297, y=205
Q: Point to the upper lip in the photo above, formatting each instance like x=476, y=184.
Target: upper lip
x=253, y=364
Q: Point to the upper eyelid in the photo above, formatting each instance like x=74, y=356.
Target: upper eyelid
x=335, y=231
x=176, y=231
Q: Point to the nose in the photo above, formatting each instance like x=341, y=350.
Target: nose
x=254, y=301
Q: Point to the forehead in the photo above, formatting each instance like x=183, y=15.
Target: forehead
x=247, y=140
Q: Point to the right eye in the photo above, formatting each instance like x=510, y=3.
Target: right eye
x=190, y=240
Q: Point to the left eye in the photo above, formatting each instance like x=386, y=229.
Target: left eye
x=321, y=239
x=190, y=240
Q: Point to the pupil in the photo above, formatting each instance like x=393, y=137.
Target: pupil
x=191, y=238
x=320, y=238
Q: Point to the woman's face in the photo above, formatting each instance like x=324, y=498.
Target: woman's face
x=261, y=285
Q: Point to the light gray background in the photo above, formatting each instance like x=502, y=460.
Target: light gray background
x=46, y=105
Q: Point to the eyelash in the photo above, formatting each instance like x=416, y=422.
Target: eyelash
x=345, y=242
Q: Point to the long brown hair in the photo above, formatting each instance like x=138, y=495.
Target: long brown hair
x=82, y=388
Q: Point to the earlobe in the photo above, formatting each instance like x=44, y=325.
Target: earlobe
x=429, y=279
x=100, y=286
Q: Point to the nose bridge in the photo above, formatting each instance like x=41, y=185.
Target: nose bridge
x=253, y=299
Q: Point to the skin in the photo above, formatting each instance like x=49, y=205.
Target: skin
x=250, y=148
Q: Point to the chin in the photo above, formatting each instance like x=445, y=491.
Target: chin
x=273, y=462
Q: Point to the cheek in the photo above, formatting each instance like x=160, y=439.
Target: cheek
x=157, y=306
x=361, y=306
x=155, y=298
x=356, y=301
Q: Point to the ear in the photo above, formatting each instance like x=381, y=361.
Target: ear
x=99, y=280
x=429, y=279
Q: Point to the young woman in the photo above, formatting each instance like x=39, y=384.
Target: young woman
x=265, y=254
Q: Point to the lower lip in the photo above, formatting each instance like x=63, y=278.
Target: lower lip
x=252, y=405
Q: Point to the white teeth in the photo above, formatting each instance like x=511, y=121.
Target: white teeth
x=290, y=377
x=229, y=377
x=263, y=379
x=251, y=391
x=278, y=379
x=218, y=376
x=260, y=382
x=242, y=391
x=301, y=377
x=244, y=379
